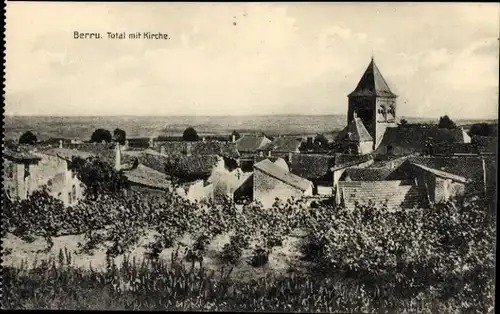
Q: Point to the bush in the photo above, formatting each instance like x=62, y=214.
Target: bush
x=119, y=136
x=190, y=135
x=28, y=138
x=446, y=123
x=101, y=135
x=260, y=257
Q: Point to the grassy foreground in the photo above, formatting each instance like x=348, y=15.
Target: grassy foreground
x=156, y=285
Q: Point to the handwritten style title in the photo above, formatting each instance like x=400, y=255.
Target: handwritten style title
x=121, y=35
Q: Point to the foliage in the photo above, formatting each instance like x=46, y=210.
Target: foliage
x=403, y=122
x=28, y=138
x=484, y=129
x=236, y=135
x=98, y=176
x=119, y=136
x=101, y=135
x=446, y=123
x=363, y=260
x=321, y=140
x=190, y=135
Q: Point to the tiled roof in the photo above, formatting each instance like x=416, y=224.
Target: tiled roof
x=407, y=140
x=396, y=194
x=344, y=161
x=200, y=148
x=285, y=144
x=67, y=153
x=447, y=149
x=193, y=166
x=372, y=83
x=251, y=143
x=105, y=152
x=148, y=177
x=355, y=131
x=468, y=167
x=442, y=174
x=367, y=174
x=312, y=166
x=277, y=172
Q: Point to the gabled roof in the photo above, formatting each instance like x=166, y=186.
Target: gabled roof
x=367, y=174
x=312, y=166
x=355, y=131
x=284, y=144
x=228, y=150
x=67, y=153
x=251, y=143
x=442, y=174
x=372, y=83
x=148, y=177
x=408, y=140
x=275, y=171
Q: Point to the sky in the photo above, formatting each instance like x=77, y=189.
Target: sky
x=250, y=58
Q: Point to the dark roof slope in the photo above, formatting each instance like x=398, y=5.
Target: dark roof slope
x=228, y=150
x=367, y=174
x=408, y=140
x=279, y=173
x=312, y=166
x=20, y=155
x=284, y=144
x=372, y=83
x=146, y=176
x=355, y=131
x=251, y=143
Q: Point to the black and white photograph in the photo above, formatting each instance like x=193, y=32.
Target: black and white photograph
x=314, y=157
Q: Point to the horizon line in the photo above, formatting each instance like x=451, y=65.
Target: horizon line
x=222, y=116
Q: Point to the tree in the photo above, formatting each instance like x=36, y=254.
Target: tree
x=403, y=122
x=98, y=176
x=190, y=135
x=484, y=129
x=119, y=136
x=321, y=140
x=28, y=138
x=101, y=135
x=446, y=123
x=235, y=134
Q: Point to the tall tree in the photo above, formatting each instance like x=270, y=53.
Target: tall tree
x=321, y=140
x=101, y=135
x=190, y=135
x=28, y=138
x=119, y=136
x=446, y=123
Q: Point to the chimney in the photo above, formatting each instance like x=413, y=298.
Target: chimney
x=203, y=139
x=354, y=114
x=234, y=138
x=269, y=153
x=118, y=161
x=60, y=144
x=151, y=142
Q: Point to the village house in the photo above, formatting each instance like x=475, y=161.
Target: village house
x=315, y=168
x=26, y=172
x=273, y=180
x=283, y=147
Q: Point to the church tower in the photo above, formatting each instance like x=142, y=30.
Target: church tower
x=374, y=103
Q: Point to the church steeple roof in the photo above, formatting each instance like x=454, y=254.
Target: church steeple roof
x=372, y=83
